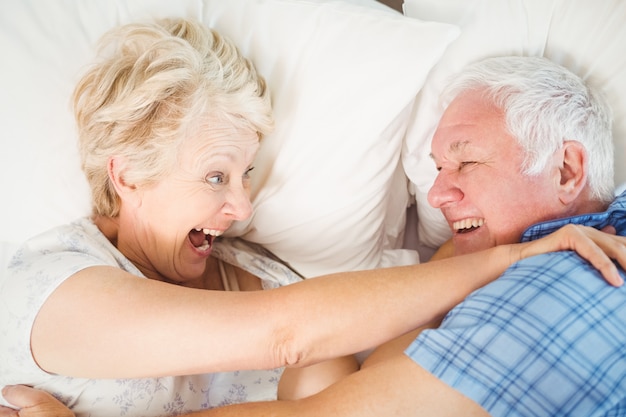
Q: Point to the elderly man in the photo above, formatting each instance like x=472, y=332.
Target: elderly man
x=523, y=148
x=524, y=142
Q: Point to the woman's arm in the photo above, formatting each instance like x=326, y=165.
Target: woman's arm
x=102, y=322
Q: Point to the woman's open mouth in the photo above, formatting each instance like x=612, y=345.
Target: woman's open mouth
x=202, y=239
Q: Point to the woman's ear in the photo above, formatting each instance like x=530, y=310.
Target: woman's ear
x=116, y=168
x=572, y=171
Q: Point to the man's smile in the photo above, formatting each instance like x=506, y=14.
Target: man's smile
x=467, y=225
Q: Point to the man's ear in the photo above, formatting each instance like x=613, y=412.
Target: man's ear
x=116, y=168
x=572, y=171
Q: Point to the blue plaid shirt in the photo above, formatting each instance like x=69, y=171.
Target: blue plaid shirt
x=548, y=338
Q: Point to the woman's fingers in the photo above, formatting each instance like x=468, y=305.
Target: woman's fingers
x=32, y=403
x=598, y=248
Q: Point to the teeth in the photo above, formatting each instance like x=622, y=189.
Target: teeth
x=212, y=232
x=206, y=245
x=468, y=223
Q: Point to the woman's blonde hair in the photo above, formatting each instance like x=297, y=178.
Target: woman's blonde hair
x=151, y=87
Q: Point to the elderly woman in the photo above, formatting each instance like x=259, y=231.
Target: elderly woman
x=124, y=313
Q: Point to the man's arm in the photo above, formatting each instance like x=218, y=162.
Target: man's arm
x=395, y=387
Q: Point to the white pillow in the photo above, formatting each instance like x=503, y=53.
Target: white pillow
x=588, y=37
x=328, y=190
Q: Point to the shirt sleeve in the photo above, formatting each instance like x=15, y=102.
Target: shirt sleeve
x=36, y=270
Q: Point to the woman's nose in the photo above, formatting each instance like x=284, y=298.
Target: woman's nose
x=444, y=190
x=238, y=204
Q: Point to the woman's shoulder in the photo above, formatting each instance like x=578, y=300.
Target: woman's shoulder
x=77, y=236
x=76, y=244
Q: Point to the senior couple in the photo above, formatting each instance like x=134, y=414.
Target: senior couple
x=523, y=148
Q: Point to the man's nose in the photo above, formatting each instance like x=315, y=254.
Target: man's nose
x=444, y=190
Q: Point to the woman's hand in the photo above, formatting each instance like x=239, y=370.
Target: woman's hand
x=597, y=247
x=32, y=403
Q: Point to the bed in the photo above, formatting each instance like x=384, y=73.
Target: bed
x=341, y=184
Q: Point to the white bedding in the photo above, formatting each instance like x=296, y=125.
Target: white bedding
x=341, y=94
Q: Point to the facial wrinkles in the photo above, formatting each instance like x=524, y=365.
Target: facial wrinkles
x=226, y=154
x=458, y=136
x=460, y=160
x=138, y=242
x=222, y=171
x=164, y=242
x=480, y=166
x=457, y=147
x=158, y=232
x=236, y=149
x=493, y=191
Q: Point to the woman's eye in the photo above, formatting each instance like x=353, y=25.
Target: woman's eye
x=247, y=173
x=215, y=179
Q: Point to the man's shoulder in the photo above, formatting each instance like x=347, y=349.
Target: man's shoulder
x=538, y=284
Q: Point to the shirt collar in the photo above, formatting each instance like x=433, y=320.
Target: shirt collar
x=615, y=216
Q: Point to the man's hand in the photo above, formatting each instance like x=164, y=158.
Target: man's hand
x=32, y=403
